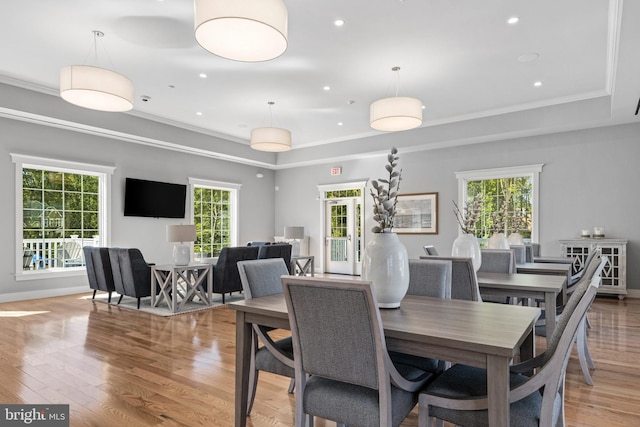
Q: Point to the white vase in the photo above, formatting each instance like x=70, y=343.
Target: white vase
x=498, y=241
x=515, y=239
x=467, y=246
x=386, y=264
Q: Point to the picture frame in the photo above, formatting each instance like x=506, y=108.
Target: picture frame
x=417, y=214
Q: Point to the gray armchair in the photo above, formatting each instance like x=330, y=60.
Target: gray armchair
x=226, y=278
x=277, y=250
x=131, y=273
x=99, y=272
x=329, y=319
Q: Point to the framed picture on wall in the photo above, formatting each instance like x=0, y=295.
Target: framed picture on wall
x=417, y=214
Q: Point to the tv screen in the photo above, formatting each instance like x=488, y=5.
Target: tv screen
x=154, y=199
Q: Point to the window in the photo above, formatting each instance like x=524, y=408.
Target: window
x=508, y=193
x=214, y=211
x=61, y=207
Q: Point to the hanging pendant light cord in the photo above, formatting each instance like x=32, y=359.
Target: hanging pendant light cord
x=397, y=70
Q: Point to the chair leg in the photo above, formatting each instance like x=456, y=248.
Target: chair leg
x=581, y=345
x=94, y=294
x=138, y=303
x=253, y=373
x=109, y=300
x=292, y=385
x=223, y=297
x=120, y=299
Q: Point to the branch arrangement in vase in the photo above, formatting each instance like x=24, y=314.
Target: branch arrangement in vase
x=468, y=219
x=386, y=198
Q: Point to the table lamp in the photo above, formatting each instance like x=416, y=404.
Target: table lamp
x=181, y=233
x=295, y=234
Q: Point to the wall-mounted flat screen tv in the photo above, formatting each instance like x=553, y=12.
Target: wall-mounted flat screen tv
x=154, y=199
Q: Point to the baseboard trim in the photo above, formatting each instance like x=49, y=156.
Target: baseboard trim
x=45, y=293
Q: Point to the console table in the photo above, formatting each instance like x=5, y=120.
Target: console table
x=180, y=284
x=302, y=265
x=614, y=275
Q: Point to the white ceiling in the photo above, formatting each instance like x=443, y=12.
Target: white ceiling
x=459, y=57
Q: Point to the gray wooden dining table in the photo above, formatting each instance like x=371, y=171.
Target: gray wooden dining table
x=479, y=334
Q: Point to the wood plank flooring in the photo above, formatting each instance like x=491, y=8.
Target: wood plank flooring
x=118, y=367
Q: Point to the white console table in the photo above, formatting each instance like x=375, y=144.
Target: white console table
x=614, y=275
x=180, y=284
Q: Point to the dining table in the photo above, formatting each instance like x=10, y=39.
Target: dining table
x=526, y=286
x=479, y=334
x=549, y=268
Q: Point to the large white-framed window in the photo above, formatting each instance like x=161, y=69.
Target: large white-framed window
x=520, y=184
x=61, y=206
x=214, y=211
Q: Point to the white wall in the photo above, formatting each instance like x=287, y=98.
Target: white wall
x=590, y=178
x=256, y=204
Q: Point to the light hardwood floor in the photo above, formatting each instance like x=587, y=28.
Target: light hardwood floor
x=118, y=367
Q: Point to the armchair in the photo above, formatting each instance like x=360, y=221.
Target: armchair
x=277, y=250
x=225, y=272
x=99, y=273
x=131, y=273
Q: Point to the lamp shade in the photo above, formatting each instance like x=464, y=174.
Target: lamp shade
x=181, y=233
x=270, y=139
x=294, y=232
x=242, y=30
x=96, y=88
x=396, y=113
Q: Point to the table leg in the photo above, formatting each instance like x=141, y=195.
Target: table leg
x=498, y=390
x=549, y=313
x=174, y=291
x=243, y=360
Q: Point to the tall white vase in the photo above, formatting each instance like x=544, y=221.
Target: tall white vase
x=498, y=241
x=386, y=264
x=467, y=246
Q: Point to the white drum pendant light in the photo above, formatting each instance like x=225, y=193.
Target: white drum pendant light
x=270, y=138
x=396, y=113
x=96, y=88
x=242, y=30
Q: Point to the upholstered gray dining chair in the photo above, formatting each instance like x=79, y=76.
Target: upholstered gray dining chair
x=459, y=394
x=591, y=266
x=520, y=253
x=464, y=283
x=261, y=278
x=343, y=370
x=430, y=250
x=430, y=277
x=497, y=261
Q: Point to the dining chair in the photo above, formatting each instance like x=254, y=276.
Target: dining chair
x=582, y=345
x=430, y=250
x=430, y=277
x=459, y=394
x=464, y=283
x=519, y=252
x=261, y=278
x=497, y=261
x=343, y=370
x=528, y=252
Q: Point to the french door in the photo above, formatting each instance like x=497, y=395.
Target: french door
x=343, y=235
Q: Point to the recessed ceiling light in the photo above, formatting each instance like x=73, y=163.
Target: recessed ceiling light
x=537, y=84
x=203, y=76
x=528, y=57
x=327, y=88
x=513, y=20
x=199, y=113
x=338, y=22
x=340, y=123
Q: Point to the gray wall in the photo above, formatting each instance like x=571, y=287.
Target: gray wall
x=256, y=202
x=588, y=179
